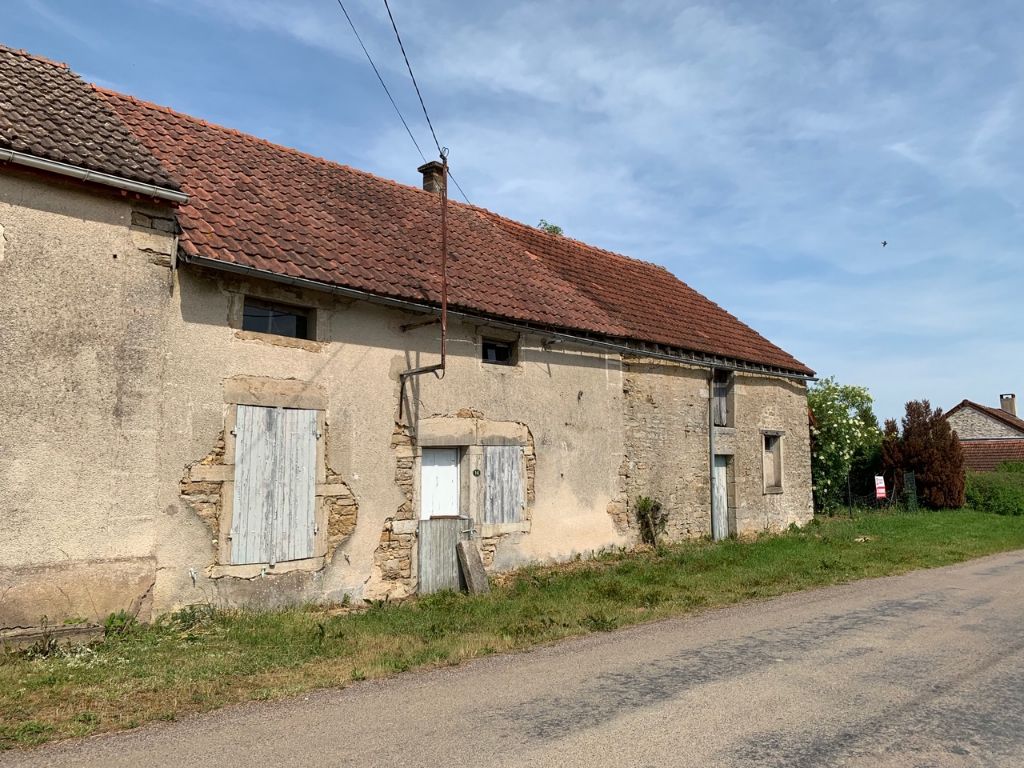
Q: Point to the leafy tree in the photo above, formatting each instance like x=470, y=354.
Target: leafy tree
x=844, y=434
x=551, y=229
x=929, y=448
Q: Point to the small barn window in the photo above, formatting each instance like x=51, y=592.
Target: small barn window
x=498, y=352
x=280, y=319
x=772, y=462
x=722, y=399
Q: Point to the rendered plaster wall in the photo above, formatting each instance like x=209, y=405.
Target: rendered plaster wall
x=84, y=303
x=971, y=424
x=569, y=400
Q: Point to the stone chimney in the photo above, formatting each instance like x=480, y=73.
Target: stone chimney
x=433, y=176
x=1008, y=403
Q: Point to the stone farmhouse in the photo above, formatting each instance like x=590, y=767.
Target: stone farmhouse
x=989, y=436
x=208, y=377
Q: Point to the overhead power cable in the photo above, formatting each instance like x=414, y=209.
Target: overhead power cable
x=456, y=183
x=382, y=83
x=416, y=85
x=391, y=98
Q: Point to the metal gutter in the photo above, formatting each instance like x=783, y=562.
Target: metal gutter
x=712, y=362
x=84, y=174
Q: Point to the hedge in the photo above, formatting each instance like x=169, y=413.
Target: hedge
x=1001, y=491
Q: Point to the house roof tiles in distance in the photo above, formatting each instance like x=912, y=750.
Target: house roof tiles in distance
x=987, y=455
x=308, y=217
x=49, y=112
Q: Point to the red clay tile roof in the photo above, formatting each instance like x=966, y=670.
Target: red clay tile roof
x=47, y=111
x=256, y=204
x=996, y=413
x=987, y=455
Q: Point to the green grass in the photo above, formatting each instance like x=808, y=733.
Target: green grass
x=198, y=660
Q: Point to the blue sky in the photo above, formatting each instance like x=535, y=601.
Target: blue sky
x=760, y=150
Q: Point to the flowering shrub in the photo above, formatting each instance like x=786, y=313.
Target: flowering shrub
x=844, y=430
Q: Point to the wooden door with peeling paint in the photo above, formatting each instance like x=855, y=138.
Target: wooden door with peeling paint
x=440, y=526
x=720, y=500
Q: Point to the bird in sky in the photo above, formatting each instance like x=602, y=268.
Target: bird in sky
x=885, y=243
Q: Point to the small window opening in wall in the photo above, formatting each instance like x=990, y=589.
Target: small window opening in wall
x=498, y=352
x=280, y=319
x=722, y=399
x=772, y=463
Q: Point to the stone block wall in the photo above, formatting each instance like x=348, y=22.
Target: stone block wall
x=667, y=451
x=767, y=403
x=971, y=424
x=666, y=443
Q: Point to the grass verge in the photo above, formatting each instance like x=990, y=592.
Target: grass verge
x=197, y=660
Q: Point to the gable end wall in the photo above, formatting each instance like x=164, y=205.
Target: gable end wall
x=971, y=424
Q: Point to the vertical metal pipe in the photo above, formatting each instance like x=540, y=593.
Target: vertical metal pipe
x=439, y=368
x=444, y=263
x=711, y=444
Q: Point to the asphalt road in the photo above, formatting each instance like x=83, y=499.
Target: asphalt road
x=919, y=670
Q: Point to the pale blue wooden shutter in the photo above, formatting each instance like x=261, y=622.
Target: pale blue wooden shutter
x=255, y=488
x=273, y=512
x=503, y=484
x=297, y=484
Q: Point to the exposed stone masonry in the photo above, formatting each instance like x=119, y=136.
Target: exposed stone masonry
x=393, y=557
x=151, y=221
x=342, y=512
x=203, y=497
x=618, y=507
x=666, y=446
x=971, y=424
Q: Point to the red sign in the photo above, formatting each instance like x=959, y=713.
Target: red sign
x=879, y=487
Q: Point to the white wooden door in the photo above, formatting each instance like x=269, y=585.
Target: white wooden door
x=439, y=483
x=720, y=500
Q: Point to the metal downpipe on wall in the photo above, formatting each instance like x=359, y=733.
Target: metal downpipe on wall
x=437, y=369
x=711, y=445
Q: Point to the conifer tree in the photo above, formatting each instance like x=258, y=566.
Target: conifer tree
x=929, y=448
